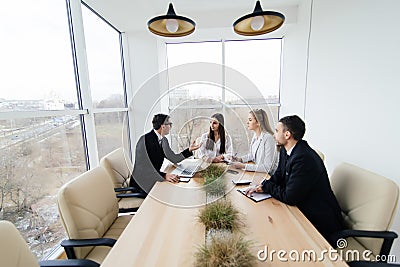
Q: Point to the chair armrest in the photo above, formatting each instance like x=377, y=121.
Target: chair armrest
x=387, y=236
x=127, y=195
x=69, y=244
x=124, y=189
x=69, y=263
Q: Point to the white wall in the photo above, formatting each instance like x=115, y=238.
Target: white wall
x=352, y=110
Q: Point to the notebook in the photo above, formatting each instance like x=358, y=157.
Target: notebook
x=257, y=197
x=187, y=168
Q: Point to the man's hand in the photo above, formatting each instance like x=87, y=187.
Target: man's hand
x=193, y=146
x=251, y=190
x=173, y=178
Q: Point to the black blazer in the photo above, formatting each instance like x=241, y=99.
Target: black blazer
x=149, y=157
x=301, y=180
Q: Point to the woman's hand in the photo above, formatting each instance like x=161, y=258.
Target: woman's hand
x=218, y=159
x=238, y=165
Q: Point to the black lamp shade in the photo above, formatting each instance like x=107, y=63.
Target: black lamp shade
x=171, y=25
x=259, y=22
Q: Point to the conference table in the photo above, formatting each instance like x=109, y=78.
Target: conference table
x=165, y=231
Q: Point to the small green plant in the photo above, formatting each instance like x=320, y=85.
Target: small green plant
x=220, y=214
x=213, y=170
x=226, y=250
x=214, y=184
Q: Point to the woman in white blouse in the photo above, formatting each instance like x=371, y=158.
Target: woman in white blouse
x=263, y=151
x=216, y=140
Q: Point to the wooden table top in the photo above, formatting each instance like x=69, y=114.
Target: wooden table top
x=166, y=232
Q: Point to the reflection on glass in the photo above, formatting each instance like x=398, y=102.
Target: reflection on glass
x=104, y=61
x=109, y=127
x=38, y=156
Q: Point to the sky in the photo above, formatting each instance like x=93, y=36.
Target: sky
x=35, y=52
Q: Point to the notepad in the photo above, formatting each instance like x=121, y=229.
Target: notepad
x=257, y=197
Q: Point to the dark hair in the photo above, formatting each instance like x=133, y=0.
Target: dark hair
x=221, y=131
x=158, y=120
x=294, y=125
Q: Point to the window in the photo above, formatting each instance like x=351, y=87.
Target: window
x=251, y=65
x=41, y=110
x=106, y=80
x=40, y=129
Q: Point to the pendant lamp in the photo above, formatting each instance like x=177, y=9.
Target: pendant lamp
x=259, y=22
x=171, y=25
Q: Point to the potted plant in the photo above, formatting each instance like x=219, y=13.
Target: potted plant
x=214, y=184
x=220, y=214
x=226, y=249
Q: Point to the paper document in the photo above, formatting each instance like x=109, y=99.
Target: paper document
x=257, y=197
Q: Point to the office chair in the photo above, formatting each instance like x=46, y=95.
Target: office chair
x=14, y=251
x=368, y=202
x=320, y=154
x=88, y=211
x=119, y=169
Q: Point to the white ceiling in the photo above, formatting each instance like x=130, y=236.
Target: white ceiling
x=132, y=15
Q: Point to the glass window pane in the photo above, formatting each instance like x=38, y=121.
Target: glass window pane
x=104, y=61
x=36, y=65
x=189, y=124
x=109, y=127
x=37, y=157
x=260, y=61
x=182, y=53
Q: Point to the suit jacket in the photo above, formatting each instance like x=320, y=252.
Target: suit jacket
x=149, y=157
x=265, y=157
x=302, y=180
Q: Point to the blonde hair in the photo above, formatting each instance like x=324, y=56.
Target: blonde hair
x=262, y=118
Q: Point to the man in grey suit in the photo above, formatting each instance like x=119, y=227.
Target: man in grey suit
x=151, y=149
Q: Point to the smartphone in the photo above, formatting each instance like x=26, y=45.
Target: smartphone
x=184, y=179
x=241, y=182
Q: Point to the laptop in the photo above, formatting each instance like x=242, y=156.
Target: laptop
x=187, y=168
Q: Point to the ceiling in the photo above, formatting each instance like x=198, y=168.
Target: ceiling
x=132, y=15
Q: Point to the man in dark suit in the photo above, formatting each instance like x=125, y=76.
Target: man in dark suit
x=151, y=149
x=301, y=179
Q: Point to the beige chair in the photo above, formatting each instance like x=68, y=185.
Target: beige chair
x=119, y=169
x=14, y=251
x=320, y=154
x=89, y=213
x=368, y=202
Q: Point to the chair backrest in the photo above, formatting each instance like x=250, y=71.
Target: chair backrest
x=118, y=167
x=320, y=154
x=368, y=200
x=14, y=251
x=87, y=206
